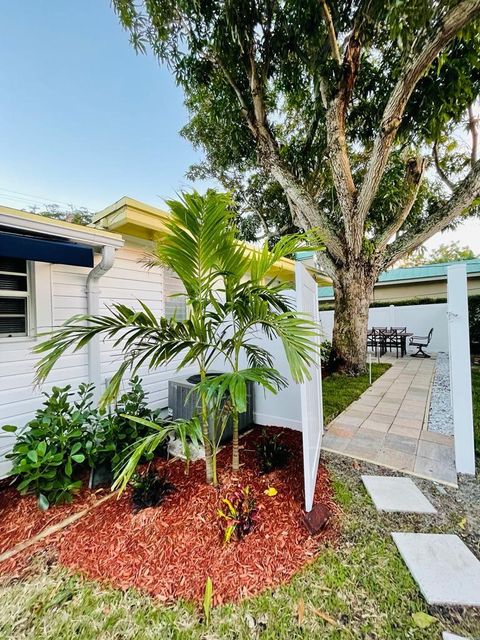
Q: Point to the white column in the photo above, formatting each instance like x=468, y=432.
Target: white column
x=460, y=373
x=392, y=315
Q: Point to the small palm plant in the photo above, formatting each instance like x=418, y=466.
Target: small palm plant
x=228, y=297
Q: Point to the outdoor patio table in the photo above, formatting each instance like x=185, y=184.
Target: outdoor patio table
x=387, y=335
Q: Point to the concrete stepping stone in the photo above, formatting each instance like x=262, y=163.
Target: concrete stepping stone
x=397, y=494
x=452, y=636
x=444, y=568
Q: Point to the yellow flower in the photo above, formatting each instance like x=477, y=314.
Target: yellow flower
x=271, y=491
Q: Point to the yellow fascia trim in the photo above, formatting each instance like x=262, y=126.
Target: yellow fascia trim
x=133, y=217
x=141, y=220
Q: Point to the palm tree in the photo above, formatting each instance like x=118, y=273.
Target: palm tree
x=252, y=301
x=227, y=297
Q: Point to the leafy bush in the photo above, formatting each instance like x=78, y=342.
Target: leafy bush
x=66, y=437
x=50, y=451
x=150, y=489
x=116, y=432
x=272, y=454
x=240, y=516
x=325, y=350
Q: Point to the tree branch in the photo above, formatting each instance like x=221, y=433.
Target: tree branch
x=473, y=126
x=443, y=176
x=453, y=22
x=326, y=264
x=462, y=198
x=241, y=100
x=337, y=145
x=413, y=178
x=269, y=155
x=332, y=36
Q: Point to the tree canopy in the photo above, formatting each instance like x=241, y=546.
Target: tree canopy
x=444, y=253
x=347, y=116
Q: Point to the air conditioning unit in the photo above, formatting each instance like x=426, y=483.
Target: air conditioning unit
x=183, y=403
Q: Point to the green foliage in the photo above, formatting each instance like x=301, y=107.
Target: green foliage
x=474, y=323
x=76, y=215
x=239, y=517
x=208, y=600
x=68, y=437
x=271, y=453
x=117, y=431
x=325, y=350
x=49, y=453
x=188, y=431
x=232, y=296
x=150, y=489
x=476, y=407
x=451, y=252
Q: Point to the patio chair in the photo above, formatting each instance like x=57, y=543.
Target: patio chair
x=421, y=342
x=376, y=341
x=398, y=340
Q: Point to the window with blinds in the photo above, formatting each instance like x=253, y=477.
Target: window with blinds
x=14, y=296
x=175, y=302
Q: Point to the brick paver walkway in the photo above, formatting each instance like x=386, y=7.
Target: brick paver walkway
x=387, y=425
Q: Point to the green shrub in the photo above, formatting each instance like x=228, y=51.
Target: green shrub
x=67, y=437
x=116, y=433
x=325, y=351
x=50, y=452
x=271, y=453
x=474, y=322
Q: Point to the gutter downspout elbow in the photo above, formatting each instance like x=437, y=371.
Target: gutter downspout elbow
x=93, y=306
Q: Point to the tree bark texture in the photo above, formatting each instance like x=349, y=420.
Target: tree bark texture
x=353, y=293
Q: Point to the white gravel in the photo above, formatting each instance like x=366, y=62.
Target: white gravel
x=440, y=418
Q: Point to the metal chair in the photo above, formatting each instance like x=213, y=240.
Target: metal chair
x=398, y=340
x=421, y=342
x=376, y=341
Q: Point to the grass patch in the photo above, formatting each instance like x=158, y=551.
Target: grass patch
x=339, y=390
x=359, y=589
x=476, y=406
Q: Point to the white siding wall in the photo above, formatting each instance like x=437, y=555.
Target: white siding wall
x=60, y=293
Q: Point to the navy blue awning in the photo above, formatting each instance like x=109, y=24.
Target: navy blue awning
x=45, y=249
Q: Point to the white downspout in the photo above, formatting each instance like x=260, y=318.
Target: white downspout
x=93, y=307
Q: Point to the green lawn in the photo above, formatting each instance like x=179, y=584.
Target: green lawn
x=476, y=406
x=339, y=390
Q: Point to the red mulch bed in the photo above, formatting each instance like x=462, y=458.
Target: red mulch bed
x=169, y=551
x=21, y=519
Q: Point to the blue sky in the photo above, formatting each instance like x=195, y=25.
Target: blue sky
x=83, y=119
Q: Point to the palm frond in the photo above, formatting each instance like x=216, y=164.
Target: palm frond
x=233, y=385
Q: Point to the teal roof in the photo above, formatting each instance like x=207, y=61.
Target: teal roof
x=423, y=272
x=304, y=255
x=438, y=270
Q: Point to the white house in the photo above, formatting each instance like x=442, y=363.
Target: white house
x=51, y=270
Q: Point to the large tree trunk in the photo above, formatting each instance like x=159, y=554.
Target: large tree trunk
x=353, y=288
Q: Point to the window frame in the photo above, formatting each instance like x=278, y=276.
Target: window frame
x=24, y=295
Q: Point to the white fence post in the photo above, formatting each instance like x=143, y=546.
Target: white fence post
x=460, y=372
x=392, y=315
